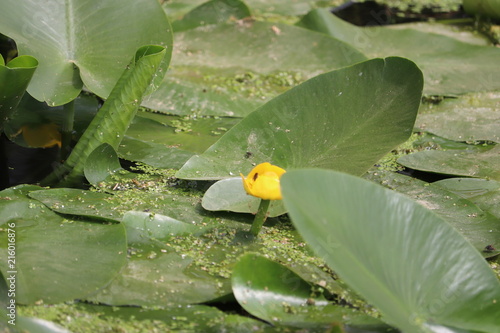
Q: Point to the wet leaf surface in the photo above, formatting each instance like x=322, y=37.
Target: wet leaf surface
x=321, y=123
x=450, y=66
x=277, y=295
x=345, y=219
x=478, y=226
x=239, y=51
x=472, y=117
x=56, y=257
x=482, y=164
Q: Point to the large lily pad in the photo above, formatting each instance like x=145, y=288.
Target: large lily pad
x=157, y=155
x=76, y=42
x=159, y=276
x=56, y=257
x=205, y=54
x=276, y=294
x=484, y=193
x=430, y=279
x=323, y=122
x=483, y=164
x=475, y=223
x=192, y=135
x=449, y=66
x=473, y=117
x=192, y=318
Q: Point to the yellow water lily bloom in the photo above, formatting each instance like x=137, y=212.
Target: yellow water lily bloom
x=264, y=181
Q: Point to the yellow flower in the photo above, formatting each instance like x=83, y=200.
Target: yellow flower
x=264, y=181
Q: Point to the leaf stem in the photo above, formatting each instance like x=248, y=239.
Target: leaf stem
x=260, y=217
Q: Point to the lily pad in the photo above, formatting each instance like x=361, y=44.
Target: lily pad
x=277, y=295
x=78, y=202
x=212, y=12
x=159, y=276
x=192, y=135
x=55, y=257
x=75, y=42
x=429, y=279
x=484, y=193
x=484, y=164
x=323, y=123
x=193, y=318
x=157, y=155
x=142, y=227
x=472, y=117
x=450, y=66
x=236, y=49
x=229, y=195
x=477, y=225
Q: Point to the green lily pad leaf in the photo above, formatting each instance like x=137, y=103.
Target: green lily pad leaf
x=460, y=32
x=154, y=154
x=14, y=203
x=109, y=207
x=192, y=135
x=75, y=42
x=212, y=12
x=449, y=66
x=429, y=276
x=487, y=8
x=473, y=117
x=322, y=122
x=222, y=58
x=484, y=164
x=101, y=164
x=158, y=276
x=14, y=79
x=62, y=252
x=78, y=202
x=231, y=95
x=193, y=318
x=484, y=193
x=143, y=227
x=477, y=225
x=276, y=294
x=229, y=195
